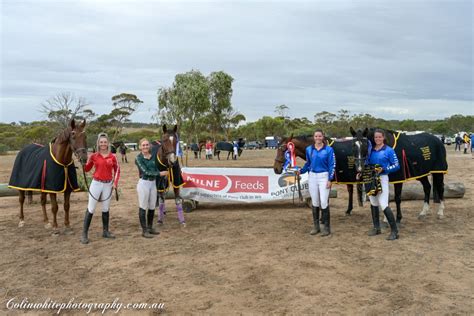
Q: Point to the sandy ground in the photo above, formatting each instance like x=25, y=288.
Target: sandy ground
x=252, y=259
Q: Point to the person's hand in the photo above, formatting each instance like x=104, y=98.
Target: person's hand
x=328, y=185
x=164, y=173
x=358, y=175
x=378, y=169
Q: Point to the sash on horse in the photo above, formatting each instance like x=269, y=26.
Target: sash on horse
x=36, y=169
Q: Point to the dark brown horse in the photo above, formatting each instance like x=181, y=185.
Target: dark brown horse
x=341, y=149
x=167, y=160
x=70, y=140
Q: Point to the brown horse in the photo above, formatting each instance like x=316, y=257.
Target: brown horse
x=70, y=140
x=167, y=160
x=301, y=142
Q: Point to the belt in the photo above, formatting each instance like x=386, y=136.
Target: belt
x=148, y=178
x=103, y=181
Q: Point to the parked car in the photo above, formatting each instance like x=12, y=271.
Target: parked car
x=448, y=140
x=253, y=145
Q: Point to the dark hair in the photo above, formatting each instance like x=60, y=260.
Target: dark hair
x=325, y=142
x=381, y=131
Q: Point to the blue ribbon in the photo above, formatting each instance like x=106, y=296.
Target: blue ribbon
x=179, y=152
x=287, y=160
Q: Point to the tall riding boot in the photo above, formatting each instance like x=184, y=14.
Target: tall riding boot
x=105, y=225
x=393, y=225
x=142, y=216
x=375, y=220
x=316, y=229
x=327, y=222
x=150, y=216
x=85, y=228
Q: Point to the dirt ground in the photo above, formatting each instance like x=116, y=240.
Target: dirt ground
x=246, y=259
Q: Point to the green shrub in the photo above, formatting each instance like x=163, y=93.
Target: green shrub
x=4, y=149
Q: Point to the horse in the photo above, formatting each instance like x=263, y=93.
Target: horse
x=419, y=155
x=345, y=172
x=50, y=169
x=197, y=148
x=167, y=160
x=226, y=146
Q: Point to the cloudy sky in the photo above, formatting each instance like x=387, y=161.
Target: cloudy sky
x=394, y=59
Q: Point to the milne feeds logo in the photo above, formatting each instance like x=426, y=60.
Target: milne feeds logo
x=228, y=184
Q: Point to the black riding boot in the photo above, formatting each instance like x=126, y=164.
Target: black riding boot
x=85, y=227
x=150, y=216
x=375, y=220
x=316, y=229
x=393, y=225
x=142, y=216
x=105, y=224
x=326, y=222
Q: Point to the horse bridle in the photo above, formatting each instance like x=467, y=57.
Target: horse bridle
x=282, y=147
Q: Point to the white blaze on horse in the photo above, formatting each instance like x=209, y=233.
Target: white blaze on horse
x=50, y=170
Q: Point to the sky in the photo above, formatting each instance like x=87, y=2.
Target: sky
x=407, y=59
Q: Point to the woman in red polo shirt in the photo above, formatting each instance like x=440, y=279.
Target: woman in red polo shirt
x=105, y=179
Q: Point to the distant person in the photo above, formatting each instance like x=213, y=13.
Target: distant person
x=208, y=149
x=236, y=151
x=472, y=145
x=442, y=138
x=467, y=142
x=458, y=142
x=123, y=152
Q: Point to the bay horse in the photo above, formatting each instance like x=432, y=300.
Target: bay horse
x=419, y=156
x=345, y=172
x=51, y=170
x=197, y=148
x=167, y=160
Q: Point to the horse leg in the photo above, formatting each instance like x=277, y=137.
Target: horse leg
x=67, y=196
x=54, y=209
x=30, y=197
x=161, y=207
x=228, y=155
x=22, y=200
x=350, y=190
x=47, y=225
x=398, y=200
x=179, y=207
x=427, y=190
x=438, y=183
x=360, y=197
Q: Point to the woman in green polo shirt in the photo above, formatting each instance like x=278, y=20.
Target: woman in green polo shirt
x=146, y=188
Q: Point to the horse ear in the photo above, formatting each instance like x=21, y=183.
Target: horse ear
x=83, y=123
x=353, y=133
x=366, y=132
x=164, y=128
x=72, y=124
x=175, y=129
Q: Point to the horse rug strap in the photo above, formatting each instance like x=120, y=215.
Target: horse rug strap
x=371, y=179
x=36, y=169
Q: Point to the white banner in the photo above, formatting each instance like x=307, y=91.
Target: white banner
x=248, y=185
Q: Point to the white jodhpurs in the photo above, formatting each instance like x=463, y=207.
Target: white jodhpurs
x=146, y=194
x=381, y=199
x=100, y=191
x=318, y=189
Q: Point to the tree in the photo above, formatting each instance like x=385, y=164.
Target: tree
x=185, y=103
x=231, y=120
x=220, y=88
x=124, y=105
x=282, y=110
x=64, y=107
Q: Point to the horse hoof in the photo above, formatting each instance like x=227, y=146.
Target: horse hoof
x=68, y=231
x=422, y=217
x=21, y=224
x=47, y=226
x=348, y=213
x=55, y=233
x=440, y=216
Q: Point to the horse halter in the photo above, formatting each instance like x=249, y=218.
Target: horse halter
x=282, y=147
x=167, y=153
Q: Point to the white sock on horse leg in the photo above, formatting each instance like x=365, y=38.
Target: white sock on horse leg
x=426, y=209
x=441, y=210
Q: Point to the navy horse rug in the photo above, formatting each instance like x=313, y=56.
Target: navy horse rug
x=36, y=169
x=419, y=155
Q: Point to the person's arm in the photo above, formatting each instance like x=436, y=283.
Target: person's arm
x=116, y=172
x=393, y=164
x=331, y=164
x=144, y=169
x=308, y=162
x=90, y=163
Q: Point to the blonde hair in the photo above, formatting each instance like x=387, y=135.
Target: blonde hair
x=142, y=140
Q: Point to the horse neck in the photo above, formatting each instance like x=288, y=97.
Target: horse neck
x=300, y=147
x=62, y=152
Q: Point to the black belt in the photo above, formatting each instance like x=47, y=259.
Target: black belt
x=148, y=178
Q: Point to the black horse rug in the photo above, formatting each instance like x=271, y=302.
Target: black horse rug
x=174, y=178
x=36, y=169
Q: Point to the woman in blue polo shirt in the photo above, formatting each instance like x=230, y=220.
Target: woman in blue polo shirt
x=385, y=161
x=321, y=165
